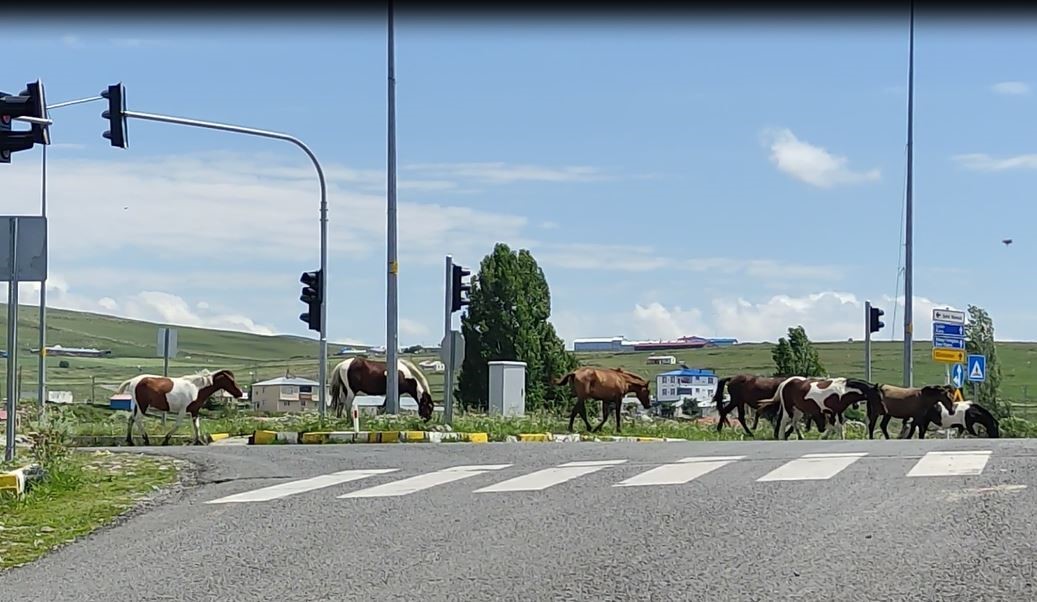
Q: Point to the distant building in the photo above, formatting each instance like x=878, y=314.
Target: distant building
x=432, y=365
x=285, y=395
x=619, y=344
x=661, y=359
x=697, y=384
x=73, y=351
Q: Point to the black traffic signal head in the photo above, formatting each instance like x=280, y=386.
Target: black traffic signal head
x=5, y=126
x=458, y=287
x=312, y=295
x=30, y=102
x=874, y=324
x=116, y=115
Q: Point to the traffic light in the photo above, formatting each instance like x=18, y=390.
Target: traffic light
x=116, y=115
x=457, y=287
x=30, y=102
x=874, y=324
x=312, y=295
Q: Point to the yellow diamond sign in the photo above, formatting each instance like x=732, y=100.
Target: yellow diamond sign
x=949, y=356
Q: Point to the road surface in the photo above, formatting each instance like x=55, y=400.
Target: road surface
x=865, y=520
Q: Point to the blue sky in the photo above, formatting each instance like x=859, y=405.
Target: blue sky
x=718, y=179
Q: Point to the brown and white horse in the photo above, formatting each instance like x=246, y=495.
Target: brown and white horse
x=824, y=400
x=607, y=386
x=179, y=395
x=361, y=375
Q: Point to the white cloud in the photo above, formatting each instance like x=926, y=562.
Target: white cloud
x=1011, y=88
x=654, y=321
x=549, y=225
x=413, y=328
x=811, y=164
x=984, y=162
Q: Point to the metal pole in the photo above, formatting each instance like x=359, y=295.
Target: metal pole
x=12, y=343
x=41, y=372
x=867, y=341
x=448, y=340
x=909, y=221
x=165, y=351
x=392, y=389
x=323, y=362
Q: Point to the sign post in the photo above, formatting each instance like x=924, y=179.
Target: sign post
x=867, y=341
x=23, y=258
x=166, y=349
x=948, y=338
x=977, y=372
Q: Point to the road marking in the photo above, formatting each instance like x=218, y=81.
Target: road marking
x=424, y=481
x=680, y=472
x=812, y=467
x=542, y=479
x=293, y=487
x=946, y=464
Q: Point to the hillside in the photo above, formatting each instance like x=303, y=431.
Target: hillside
x=255, y=357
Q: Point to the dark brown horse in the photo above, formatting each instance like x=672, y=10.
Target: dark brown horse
x=361, y=375
x=606, y=385
x=180, y=395
x=909, y=404
x=746, y=390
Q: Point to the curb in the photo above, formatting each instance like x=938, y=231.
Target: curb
x=119, y=440
x=577, y=437
x=321, y=437
x=17, y=481
x=213, y=437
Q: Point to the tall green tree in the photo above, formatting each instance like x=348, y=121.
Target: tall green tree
x=796, y=355
x=507, y=319
x=980, y=340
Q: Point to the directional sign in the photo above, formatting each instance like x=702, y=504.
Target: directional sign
x=977, y=368
x=948, y=356
x=943, y=329
x=949, y=315
x=948, y=343
x=958, y=376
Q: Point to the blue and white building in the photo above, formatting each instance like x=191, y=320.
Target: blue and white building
x=696, y=384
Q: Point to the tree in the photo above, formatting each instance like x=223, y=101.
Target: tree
x=507, y=319
x=979, y=340
x=796, y=355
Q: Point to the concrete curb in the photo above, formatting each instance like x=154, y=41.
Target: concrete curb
x=321, y=437
x=120, y=440
x=577, y=437
x=17, y=481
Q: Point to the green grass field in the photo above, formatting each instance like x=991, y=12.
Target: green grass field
x=133, y=345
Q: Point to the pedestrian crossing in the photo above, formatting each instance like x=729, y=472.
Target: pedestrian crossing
x=808, y=467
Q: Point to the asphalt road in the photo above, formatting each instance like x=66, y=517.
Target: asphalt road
x=867, y=532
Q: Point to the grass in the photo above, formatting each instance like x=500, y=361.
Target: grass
x=81, y=493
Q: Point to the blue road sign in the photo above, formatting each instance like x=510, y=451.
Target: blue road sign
x=958, y=375
x=977, y=368
x=943, y=329
x=948, y=343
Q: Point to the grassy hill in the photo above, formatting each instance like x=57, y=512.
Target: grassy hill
x=133, y=344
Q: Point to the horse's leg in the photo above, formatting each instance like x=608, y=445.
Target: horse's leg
x=196, y=423
x=885, y=423
x=619, y=407
x=604, y=415
x=578, y=408
x=129, y=426
x=756, y=420
x=873, y=417
x=176, y=425
x=741, y=419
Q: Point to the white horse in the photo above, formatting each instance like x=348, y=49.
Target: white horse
x=180, y=395
x=360, y=375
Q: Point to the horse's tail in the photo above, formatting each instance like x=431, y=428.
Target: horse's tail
x=771, y=408
x=718, y=397
x=122, y=387
x=984, y=417
x=337, y=384
x=567, y=379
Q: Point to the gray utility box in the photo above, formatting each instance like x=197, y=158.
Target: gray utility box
x=507, y=388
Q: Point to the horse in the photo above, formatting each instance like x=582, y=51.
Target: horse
x=745, y=389
x=964, y=418
x=361, y=375
x=907, y=403
x=180, y=395
x=824, y=400
x=609, y=386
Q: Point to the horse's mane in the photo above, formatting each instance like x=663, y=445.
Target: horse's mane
x=418, y=375
x=202, y=378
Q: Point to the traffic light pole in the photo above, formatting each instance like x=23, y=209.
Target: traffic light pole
x=448, y=341
x=867, y=341
x=323, y=364
x=392, y=325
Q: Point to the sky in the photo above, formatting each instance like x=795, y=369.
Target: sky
x=717, y=178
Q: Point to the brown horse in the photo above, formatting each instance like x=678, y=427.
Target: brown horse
x=746, y=390
x=606, y=385
x=361, y=375
x=181, y=395
x=822, y=400
x=907, y=403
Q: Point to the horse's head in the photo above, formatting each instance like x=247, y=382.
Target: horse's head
x=944, y=394
x=643, y=395
x=425, y=406
x=224, y=379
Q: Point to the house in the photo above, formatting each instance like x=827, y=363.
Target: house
x=285, y=394
x=122, y=401
x=662, y=359
x=432, y=365
x=686, y=383
x=58, y=350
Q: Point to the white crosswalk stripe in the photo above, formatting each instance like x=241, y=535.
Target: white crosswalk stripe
x=293, y=487
x=947, y=463
x=812, y=467
x=424, y=481
x=542, y=479
x=683, y=471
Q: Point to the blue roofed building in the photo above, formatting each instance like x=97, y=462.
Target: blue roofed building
x=698, y=384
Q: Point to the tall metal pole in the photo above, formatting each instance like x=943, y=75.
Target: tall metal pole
x=448, y=344
x=867, y=341
x=909, y=220
x=165, y=351
x=323, y=363
x=12, y=343
x=41, y=372
x=392, y=389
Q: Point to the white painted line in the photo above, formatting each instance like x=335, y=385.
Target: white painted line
x=680, y=472
x=293, y=487
x=812, y=467
x=947, y=464
x=424, y=481
x=542, y=479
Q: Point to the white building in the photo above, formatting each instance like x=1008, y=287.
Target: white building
x=687, y=383
x=285, y=395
